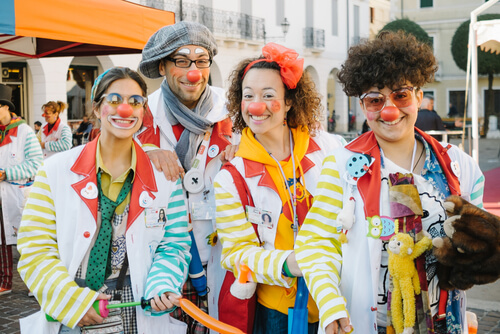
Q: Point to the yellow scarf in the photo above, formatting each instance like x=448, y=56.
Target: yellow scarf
x=251, y=149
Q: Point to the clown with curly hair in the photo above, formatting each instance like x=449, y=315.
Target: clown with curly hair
x=392, y=179
x=276, y=108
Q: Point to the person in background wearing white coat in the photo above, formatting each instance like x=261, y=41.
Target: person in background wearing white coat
x=90, y=227
x=55, y=135
x=20, y=158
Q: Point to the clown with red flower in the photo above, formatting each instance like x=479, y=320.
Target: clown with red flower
x=276, y=108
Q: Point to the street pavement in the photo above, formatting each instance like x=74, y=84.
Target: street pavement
x=483, y=300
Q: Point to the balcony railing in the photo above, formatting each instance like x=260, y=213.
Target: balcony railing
x=314, y=38
x=222, y=23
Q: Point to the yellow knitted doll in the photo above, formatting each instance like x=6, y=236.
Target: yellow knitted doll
x=402, y=252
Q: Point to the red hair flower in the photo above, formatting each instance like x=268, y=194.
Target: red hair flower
x=291, y=68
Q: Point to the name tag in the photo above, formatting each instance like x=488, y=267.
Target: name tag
x=259, y=216
x=155, y=217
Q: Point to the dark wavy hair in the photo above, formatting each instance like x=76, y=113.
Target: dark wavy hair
x=390, y=60
x=304, y=99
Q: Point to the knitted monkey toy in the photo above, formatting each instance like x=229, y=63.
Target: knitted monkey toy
x=402, y=253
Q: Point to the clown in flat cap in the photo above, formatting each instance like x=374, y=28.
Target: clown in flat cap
x=189, y=135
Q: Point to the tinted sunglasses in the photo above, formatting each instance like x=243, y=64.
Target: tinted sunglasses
x=115, y=99
x=376, y=101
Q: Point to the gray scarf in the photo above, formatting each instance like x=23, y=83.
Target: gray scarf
x=194, y=122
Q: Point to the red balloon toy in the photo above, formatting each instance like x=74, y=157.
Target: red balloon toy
x=102, y=307
x=212, y=323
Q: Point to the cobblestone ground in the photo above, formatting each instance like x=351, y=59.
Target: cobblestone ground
x=489, y=321
x=18, y=305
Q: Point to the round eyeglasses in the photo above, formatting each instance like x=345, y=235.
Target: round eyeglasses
x=376, y=101
x=115, y=99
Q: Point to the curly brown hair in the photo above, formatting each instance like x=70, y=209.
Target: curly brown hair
x=304, y=99
x=390, y=60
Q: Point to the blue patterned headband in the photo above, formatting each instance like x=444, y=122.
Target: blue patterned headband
x=97, y=81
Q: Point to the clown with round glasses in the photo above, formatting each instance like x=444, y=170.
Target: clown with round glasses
x=91, y=227
x=359, y=205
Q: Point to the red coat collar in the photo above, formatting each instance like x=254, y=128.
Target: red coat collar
x=144, y=179
x=8, y=137
x=45, y=129
x=369, y=184
x=218, y=138
x=151, y=135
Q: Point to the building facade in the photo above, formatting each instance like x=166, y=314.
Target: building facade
x=319, y=30
x=440, y=19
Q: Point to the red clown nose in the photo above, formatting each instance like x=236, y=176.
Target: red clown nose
x=124, y=110
x=257, y=108
x=194, y=76
x=389, y=114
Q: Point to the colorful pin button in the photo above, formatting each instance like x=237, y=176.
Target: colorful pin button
x=358, y=164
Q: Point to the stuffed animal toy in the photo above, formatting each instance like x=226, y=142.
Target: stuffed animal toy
x=470, y=252
x=402, y=252
x=345, y=219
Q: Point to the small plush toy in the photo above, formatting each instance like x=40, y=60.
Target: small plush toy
x=346, y=219
x=402, y=252
x=470, y=252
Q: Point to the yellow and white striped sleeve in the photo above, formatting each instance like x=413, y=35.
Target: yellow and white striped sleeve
x=40, y=266
x=240, y=244
x=318, y=249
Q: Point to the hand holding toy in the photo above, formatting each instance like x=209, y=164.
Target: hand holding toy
x=102, y=307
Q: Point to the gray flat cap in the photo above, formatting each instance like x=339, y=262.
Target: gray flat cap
x=170, y=38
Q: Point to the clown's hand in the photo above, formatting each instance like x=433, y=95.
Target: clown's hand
x=340, y=326
x=229, y=153
x=167, y=162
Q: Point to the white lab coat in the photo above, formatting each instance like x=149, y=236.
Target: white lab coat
x=13, y=196
x=74, y=204
x=360, y=282
x=209, y=255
